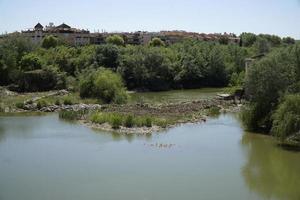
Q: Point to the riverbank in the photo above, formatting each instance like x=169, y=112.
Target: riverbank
x=149, y=118
x=146, y=117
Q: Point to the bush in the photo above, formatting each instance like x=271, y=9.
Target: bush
x=129, y=122
x=116, y=121
x=105, y=85
x=286, y=119
x=41, y=80
x=30, y=62
x=20, y=105
x=156, y=42
x=68, y=101
x=57, y=102
x=116, y=40
x=49, y=42
x=148, y=122
x=214, y=111
x=41, y=103
x=99, y=118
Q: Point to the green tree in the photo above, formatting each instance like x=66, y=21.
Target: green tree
x=30, y=61
x=105, y=85
x=266, y=81
x=156, y=42
x=262, y=46
x=12, y=48
x=286, y=118
x=224, y=40
x=248, y=39
x=288, y=40
x=116, y=40
x=107, y=55
x=49, y=42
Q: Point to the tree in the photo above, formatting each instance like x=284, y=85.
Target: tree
x=224, y=40
x=105, y=85
x=156, y=42
x=30, y=62
x=288, y=40
x=266, y=81
x=12, y=48
x=116, y=40
x=49, y=42
x=262, y=46
x=286, y=118
x=248, y=39
x=107, y=56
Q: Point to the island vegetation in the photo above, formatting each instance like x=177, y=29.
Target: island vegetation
x=102, y=74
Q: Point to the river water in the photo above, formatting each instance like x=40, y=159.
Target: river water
x=45, y=158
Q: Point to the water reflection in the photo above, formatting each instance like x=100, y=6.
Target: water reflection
x=269, y=170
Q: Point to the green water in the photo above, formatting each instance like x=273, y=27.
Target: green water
x=174, y=96
x=44, y=158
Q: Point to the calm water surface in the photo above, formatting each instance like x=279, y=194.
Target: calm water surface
x=42, y=157
x=174, y=96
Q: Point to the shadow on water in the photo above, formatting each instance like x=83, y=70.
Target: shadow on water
x=270, y=171
x=289, y=147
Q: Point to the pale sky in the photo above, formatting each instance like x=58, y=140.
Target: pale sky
x=280, y=17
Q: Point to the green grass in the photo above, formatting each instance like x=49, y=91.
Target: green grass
x=19, y=105
x=214, y=111
x=41, y=103
x=71, y=115
x=116, y=120
x=68, y=101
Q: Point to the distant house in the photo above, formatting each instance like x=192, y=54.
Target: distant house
x=83, y=37
x=64, y=31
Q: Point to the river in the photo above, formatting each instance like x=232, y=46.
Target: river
x=43, y=157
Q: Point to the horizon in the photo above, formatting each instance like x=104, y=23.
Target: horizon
x=230, y=16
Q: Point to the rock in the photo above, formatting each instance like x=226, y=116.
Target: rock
x=6, y=109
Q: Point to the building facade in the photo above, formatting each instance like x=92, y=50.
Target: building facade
x=71, y=35
x=79, y=37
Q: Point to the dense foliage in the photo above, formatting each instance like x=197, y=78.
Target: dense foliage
x=157, y=66
x=286, y=119
x=105, y=85
x=267, y=82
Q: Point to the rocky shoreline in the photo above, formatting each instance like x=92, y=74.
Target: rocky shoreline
x=180, y=113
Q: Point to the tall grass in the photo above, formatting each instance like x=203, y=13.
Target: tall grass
x=72, y=115
x=116, y=120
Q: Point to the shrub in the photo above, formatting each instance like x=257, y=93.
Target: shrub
x=116, y=121
x=98, y=118
x=20, y=105
x=156, y=42
x=49, y=42
x=148, y=122
x=30, y=62
x=129, y=122
x=161, y=122
x=41, y=103
x=115, y=39
x=68, y=101
x=57, y=102
x=286, y=119
x=68, y=115
x=214, y=111
x=41, y=80
x=105, y=85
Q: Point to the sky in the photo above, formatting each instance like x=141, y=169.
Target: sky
x=280, y=17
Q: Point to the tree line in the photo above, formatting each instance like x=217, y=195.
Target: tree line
x=55, y=64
